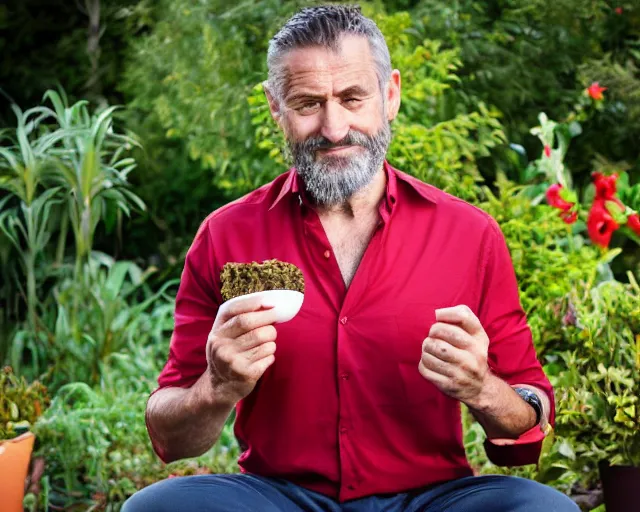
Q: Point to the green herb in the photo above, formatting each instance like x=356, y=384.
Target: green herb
x=244, y=278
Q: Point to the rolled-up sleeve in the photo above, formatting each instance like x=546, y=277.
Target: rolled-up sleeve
x=512, y=356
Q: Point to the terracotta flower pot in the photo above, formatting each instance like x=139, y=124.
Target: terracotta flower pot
x=15, y=455
x=621, y=487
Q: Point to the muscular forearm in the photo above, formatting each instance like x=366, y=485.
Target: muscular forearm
x=186, y=422
x=502, y=412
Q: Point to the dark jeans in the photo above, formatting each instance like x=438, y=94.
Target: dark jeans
x=240, y=493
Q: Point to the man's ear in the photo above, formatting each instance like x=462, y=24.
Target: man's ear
x=274, y=105
x=393, y=95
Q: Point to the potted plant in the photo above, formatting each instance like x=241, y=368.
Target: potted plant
x=20, y=405
x=598, y=389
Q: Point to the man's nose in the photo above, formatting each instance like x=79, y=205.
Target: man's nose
x=334, y=123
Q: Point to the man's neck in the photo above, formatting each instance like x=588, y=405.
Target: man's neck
x=362, y=204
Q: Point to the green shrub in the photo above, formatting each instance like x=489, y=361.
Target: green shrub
x=549, y=260
x=598, y=379
x=523, y=57
x=98, y=452
x=119, y=315
x=21, y=403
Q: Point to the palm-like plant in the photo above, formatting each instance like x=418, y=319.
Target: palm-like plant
x=67, y=158
x=91, y=170
x=23, y=166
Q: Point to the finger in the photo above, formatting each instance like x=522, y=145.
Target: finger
x=463, y=368
x=443, y=350
x=432, y=363
x=452, y=334
x=259, y=367
x=255, y=338
x=243, y=306
x=260, y=352
x=460, y=315
x=245, y=322
x=441, y=381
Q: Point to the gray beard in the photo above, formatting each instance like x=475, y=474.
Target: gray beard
x=334, y=179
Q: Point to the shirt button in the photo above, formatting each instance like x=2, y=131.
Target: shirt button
x=327, y=254
x=343, y=430
x=344, y=376
x=351, y=487
x=343, y=320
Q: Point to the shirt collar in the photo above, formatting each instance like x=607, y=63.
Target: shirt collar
x=424, y=190
x=291, y=186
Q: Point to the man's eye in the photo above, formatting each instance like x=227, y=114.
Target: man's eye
x=308, y=108
x=351, y=102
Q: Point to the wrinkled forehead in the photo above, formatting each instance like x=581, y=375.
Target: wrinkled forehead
x=323, y=71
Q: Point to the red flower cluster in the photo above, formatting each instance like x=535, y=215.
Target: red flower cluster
x=595, y=91
x=601, y=224
x=555, y=199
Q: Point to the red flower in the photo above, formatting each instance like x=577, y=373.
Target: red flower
x=633, y=222
x=605, y=186
x=600, y=223
x=595, y=91
x=619, y=10
x=547, y=151
x=569, y=217
x=554, y=199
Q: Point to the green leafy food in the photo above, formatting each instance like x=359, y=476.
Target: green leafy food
x=244, y=278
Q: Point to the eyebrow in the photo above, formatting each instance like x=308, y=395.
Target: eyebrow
x=354, y=90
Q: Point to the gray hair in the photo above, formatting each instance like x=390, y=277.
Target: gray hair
x=324, y=26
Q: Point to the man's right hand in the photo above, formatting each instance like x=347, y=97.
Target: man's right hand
x=240, y=347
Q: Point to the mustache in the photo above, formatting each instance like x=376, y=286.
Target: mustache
x=352, y=138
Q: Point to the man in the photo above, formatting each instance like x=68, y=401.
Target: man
x=411, y=308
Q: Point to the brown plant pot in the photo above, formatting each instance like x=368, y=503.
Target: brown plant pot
x=621, y=487
x=15, y=455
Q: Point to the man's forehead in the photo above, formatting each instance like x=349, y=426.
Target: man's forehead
x=319, y=67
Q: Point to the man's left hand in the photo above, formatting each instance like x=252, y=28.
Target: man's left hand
x=454, y=355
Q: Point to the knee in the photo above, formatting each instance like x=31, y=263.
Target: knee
x=156, y=498
x=136, y=503
x=542, y=498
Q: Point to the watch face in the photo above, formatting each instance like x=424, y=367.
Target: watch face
x=527, y=394
x=532, y=399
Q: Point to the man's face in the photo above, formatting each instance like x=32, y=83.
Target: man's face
x=335, y=118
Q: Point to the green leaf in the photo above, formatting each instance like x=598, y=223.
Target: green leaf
x=616, y=212
x=568, y=195
x=115, y=280
x=14, y=412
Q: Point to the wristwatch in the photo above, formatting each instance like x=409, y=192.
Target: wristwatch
x=533, y=400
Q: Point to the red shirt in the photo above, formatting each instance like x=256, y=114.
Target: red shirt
x=344, y=410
